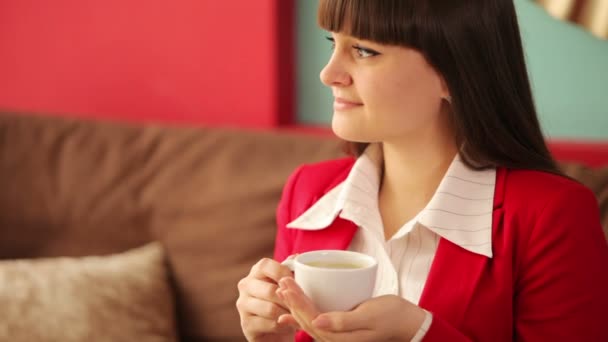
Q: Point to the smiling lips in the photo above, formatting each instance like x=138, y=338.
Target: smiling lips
x=342, y=104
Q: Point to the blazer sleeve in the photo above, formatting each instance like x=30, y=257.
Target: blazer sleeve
x=441, y=330
x=561, y=291
x=284, y=243
x=562, y=275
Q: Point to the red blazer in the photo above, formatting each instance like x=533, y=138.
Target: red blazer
x=547, y=280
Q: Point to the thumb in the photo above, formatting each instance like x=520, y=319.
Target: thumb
x=297, y=301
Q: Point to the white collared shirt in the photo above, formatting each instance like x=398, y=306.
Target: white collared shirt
x=460, y=211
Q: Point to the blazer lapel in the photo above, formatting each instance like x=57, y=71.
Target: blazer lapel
x=456, y=273
x=452, y=281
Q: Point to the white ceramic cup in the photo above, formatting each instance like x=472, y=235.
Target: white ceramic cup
x=330, y=288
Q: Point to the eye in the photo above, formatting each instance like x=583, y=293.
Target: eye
x=332, y=40
x=365, y=52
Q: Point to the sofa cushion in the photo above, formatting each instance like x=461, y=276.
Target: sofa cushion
x=595, y=179
x=71, y=187
x=121, y=297
x=216, y=193
x=74, y=187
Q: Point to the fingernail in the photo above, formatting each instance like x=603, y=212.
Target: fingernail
x=321, y=322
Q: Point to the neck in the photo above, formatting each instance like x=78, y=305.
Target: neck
x=414, y=168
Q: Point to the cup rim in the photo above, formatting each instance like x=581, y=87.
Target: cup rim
x=372, y=262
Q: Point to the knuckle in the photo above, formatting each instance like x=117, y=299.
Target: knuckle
x=265, y=263
x=269, y=267
x=242, y=285
x=239, y=304
x=261, y=266
x=256, y=267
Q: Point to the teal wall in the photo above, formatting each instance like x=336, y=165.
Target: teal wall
x=568, y=70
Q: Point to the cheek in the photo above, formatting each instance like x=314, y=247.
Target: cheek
x=391, y=104
x=403, y=101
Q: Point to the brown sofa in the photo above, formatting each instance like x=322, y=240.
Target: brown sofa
x=71, y=187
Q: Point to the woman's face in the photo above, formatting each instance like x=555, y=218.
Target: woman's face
x=382, y=92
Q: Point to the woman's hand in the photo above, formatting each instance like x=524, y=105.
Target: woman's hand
x=386, y=318
x=258, y=305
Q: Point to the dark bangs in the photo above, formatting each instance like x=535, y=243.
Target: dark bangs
x=385, y=22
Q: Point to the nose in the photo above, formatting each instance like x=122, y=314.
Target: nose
x=335, y=74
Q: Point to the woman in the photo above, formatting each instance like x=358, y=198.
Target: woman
x=453, y=190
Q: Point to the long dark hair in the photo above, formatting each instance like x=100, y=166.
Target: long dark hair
x=476, y=46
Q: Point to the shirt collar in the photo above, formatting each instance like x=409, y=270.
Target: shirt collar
x=460, y=210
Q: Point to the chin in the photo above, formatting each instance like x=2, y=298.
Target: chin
x=348, y=130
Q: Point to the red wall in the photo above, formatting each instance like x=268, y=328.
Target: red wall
x=202, y=61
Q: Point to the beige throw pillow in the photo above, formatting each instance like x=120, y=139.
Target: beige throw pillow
x=120, y=297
